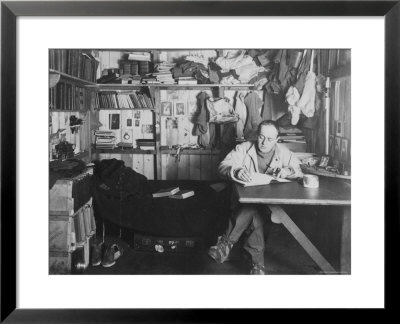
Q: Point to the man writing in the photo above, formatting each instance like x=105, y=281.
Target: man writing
x=264, y=155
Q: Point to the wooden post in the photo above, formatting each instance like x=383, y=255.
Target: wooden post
x=157, y=124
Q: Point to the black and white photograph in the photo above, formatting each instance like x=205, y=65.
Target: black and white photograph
x=180, y=109
x=187, y=148
x=166, y=108
x=204, y=197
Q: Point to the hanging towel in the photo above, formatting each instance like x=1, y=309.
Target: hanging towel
x=241, y=111
x=253, y=104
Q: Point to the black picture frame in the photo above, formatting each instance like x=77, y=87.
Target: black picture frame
x=11, y=10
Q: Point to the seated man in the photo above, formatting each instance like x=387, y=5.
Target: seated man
x=264, y=155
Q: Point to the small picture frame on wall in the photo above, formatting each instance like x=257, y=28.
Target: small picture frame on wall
x=339, y=128
x=166, y=108
x=337, y=148
x=114, y=121
x=331, y=144
x=180, y=109
x=344, y=149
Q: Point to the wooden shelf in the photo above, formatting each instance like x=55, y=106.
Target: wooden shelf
x=118, y=86
x=65, y=110
x=191, y=151
x=123, y=151
x=150, y=109
x=66, y=76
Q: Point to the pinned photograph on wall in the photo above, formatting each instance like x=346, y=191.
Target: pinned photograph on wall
x=137, y=123
x=129, y=122
x=147, y=128
x=331, y=144
x=166, y=108
x=137, y=114
x=180, y=109
x=114, y=121
x=344, y=149
x=337, y=148
x=339, y=128
x=127, y=136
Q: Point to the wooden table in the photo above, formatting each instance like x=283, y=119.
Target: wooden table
x=331, y=192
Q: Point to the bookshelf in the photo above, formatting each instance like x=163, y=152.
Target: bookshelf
x=78, y=72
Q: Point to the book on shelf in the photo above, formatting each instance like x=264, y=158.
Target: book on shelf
x=147, y=148
x=259, y=179
x=166, y=192
x=182, y=194
x=139, y=56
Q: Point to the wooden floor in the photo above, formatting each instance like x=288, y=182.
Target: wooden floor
x=283, y=255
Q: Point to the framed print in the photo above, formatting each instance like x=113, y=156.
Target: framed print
x=166, y=108
x=25, y=176
x=180, y=109
x=339, y=128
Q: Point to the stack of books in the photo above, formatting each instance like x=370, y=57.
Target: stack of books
x=164, y=77
x=149, y=79
x=146, y=144
x=187, y=80
x=104, y=139
x=163, y=73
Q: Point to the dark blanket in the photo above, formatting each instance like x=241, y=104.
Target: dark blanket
x=202, y=215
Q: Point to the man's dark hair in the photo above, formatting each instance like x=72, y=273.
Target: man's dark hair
x=268, y=123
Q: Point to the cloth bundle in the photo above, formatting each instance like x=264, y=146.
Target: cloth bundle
x=221, y=111
x=304, y=103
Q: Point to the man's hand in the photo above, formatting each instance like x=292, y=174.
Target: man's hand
x=243, y=174
x=284, y=173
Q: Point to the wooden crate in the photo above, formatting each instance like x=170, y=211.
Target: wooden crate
x=69, y=235
x=68, y=195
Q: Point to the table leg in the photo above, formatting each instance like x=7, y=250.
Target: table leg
x=302, y=239
x=345, y=247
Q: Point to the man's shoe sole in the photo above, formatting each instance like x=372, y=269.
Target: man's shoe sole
x=108, y=265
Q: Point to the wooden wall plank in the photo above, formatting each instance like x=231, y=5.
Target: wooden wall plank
x=127, y=158
x=164, y=163
x=172, y=168
x=183, y=167
x=137, y=163
x=195, y=167
x=205, y=162
x=148, y=166
x=215, y=160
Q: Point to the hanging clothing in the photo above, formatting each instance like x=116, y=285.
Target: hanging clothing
x=221, y=111
x=307, y=100
x=274, y=106
x=201, y=121
x=292, y=97
x=241, y=111
x=253, y=104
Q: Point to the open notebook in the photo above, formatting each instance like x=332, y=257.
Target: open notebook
x=259, y=179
